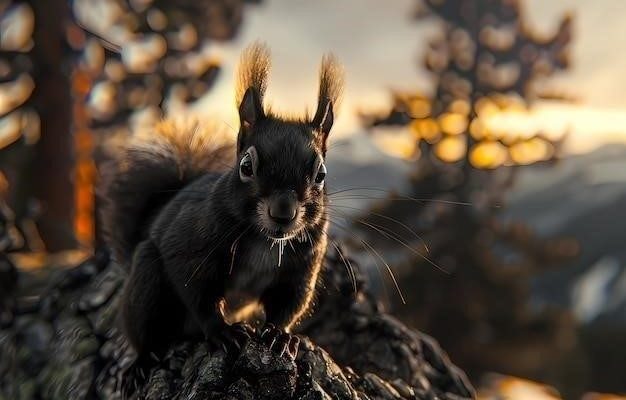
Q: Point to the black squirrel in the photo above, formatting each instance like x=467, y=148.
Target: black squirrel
x=198, y=219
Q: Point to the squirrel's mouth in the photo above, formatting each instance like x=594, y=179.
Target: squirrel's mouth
x=281, y=233
x=282, y=236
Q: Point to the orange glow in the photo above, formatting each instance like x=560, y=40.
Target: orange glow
x=81, y=84
x=530, y=151
x=460, y=106
x=84, y=198
x=419, y=108
x=488, y=155
x=85, y=170
x=83, y=141
x=513, y=388
x=485, y=107
x=478, y=130
x=451, y=148
x=398, y=145
x=453, y=123
x=427, y=129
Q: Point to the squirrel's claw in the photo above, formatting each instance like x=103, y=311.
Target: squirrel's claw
x=293, y=347
x=280, y=342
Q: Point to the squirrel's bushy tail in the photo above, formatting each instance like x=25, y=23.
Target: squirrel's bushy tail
x=149, y=169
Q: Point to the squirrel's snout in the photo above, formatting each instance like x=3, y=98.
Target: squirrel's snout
x=284, y=207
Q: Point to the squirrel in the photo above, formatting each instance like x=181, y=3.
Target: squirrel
x=197, y=218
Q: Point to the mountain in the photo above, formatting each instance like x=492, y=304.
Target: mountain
x=582, y=197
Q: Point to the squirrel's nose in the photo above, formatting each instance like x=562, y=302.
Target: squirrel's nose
x=284, y=207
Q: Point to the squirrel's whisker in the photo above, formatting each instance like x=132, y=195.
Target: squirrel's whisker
x=389, y=270
x=233, y=249
x=403, y=198
x=403, y=225
x=362, y=241
x=393, y=237
x=347, y=264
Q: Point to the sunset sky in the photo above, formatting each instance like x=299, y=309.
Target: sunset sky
x=381, y=47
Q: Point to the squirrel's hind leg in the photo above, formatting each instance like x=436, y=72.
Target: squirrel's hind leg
x=149, y=309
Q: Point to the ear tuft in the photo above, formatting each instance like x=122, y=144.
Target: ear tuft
x=253, y=71
x=329, y=97
x=252, y=74
x=331, y=80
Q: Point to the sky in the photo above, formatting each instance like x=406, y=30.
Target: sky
x=381, y=48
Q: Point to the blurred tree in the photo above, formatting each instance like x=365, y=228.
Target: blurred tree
x=69, y=69
x=487, y=61
x=139, y=59
x=34, y=119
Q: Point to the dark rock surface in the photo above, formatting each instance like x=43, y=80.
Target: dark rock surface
x=63, y=343
x=10, y=239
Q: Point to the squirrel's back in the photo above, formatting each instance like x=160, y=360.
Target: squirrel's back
x=150, y=169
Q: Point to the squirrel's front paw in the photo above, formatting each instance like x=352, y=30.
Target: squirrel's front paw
x=279, y=341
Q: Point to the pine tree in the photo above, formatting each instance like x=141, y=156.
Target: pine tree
x=34, y=119
x=487, y=60
x=75, y=73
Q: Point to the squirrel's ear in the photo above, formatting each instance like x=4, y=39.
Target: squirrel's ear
x=250, y=109
x=250, y=112
x=323, y=121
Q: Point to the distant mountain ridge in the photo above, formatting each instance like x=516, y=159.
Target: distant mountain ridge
x=582, y=196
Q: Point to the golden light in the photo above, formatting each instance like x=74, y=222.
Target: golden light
x=509, y=103
x=512, y=388
x=478, y=130
x=530, y=151
x=451, y=148
x=427, y=129
x=485, y=107
x=453, y=123
x=419, y=107
x=488, y=155
x=460, y=106
x=398, y=145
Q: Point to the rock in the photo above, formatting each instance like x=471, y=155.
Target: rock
x=350, y=349
x=9, y=240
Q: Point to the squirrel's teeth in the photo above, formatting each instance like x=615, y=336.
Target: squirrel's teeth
x=281, y=248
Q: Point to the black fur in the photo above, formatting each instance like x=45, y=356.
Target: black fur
x=199, y=243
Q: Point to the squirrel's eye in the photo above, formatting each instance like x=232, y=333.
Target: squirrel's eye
x=246, y=169
x=321, y=174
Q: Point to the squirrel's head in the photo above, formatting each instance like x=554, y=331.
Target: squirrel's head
x=280, y=162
